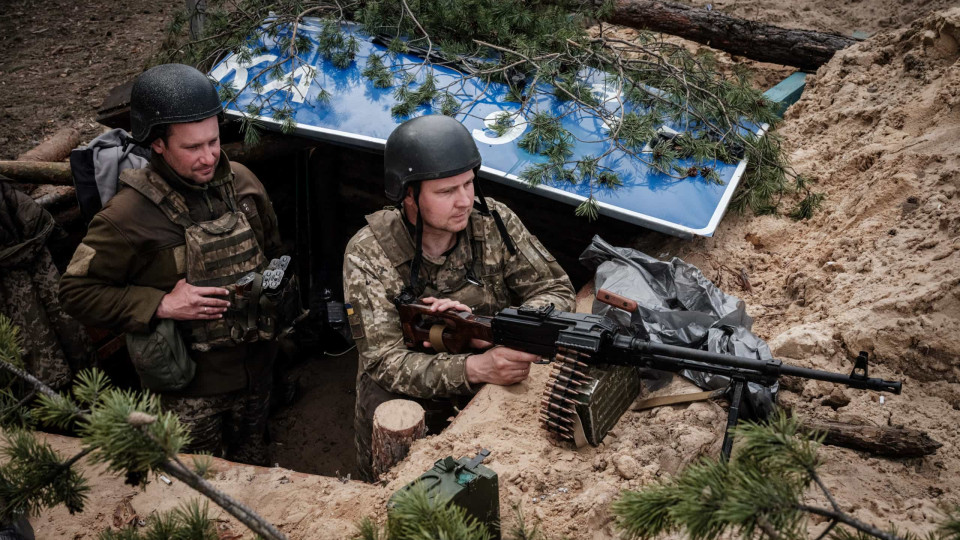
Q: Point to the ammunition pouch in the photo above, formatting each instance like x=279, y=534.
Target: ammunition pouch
x=160, y=357
x=263, y=306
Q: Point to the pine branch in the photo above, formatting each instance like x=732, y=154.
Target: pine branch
x=848, y=520
x=134, y=462
x=33, y=381
x=30, y=395
x=248, y=517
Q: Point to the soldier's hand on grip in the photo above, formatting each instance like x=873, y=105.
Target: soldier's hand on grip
x=189, y=303
x=443, y=304
x=499, y=365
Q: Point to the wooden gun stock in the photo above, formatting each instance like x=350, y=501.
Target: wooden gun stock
x=447, y=331
x=617, y=301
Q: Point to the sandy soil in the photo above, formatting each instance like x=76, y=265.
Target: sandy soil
x=61, y=58
x=875, y=270
x=844, y=17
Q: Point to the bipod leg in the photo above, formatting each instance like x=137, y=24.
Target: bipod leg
x=732, y=417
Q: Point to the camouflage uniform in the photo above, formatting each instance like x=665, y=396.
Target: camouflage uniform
x=55, y=345
x=133, y=255
x=376, y=265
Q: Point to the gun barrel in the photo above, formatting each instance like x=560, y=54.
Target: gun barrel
x=764, y=371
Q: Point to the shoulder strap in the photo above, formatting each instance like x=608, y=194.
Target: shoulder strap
x=392, y=237
x=154, y=188
x=478, y=235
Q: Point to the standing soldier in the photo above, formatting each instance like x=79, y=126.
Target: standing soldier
x=444, y=247
x=158, y=258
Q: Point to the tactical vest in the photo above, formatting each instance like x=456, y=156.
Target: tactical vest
x=218, y=253
x=478, y=284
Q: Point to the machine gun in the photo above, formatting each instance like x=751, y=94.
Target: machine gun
x=587, y=392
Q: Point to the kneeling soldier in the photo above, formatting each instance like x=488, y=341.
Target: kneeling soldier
x=445, y=247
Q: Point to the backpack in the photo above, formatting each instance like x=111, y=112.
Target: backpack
x=96, y=168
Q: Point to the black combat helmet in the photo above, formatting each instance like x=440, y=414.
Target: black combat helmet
x=427, y=148
x=170, y=94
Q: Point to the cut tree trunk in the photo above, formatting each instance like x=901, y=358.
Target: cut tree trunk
x=37, y=172
x=56, y=148
x=396, y=424
x=878, y=440
x=805, y=49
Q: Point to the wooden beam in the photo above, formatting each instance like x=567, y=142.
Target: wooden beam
x=805, y=49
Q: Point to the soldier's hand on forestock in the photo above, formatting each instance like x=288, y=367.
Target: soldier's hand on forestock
x=443, y=304
x=188, y=303
x=499, y=365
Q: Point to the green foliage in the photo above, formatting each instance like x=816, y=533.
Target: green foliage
x=377, y=72
x=807, y=206
x=59, y=411
x=190, y=521
x=130, y=432
x=760, y=487
x=521, y=529
x=11, y=346
x=415, y=516
x=203, y=464
x=34, y=477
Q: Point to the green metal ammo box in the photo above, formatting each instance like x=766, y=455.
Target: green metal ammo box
x=465, y=483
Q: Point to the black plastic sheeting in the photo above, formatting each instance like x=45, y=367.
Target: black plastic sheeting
x=677, y=305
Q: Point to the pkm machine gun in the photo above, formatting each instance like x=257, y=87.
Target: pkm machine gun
x=585, y=348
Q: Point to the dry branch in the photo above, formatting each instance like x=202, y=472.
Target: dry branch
x=887, y=441
x=37, y=172
x=805, y=49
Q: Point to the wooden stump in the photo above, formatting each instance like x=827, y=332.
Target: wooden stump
x=396, y=424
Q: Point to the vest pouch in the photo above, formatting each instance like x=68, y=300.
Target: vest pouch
x=220, y=253
x=160, y=357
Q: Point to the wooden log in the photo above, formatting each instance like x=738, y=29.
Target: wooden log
x=396, y=424
x=55, y=148
x=37, y=172
x=899, y=442
x=805, y=49
x=55, y=197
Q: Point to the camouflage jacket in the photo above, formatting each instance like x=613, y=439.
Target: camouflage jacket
x=133, y=255
x=377, y=264
x=54, y=345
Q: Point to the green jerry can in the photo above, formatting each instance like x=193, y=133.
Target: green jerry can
x=465, y=483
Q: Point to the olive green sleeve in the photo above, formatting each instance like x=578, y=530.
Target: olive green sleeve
x=94, y=289
x=370, y=282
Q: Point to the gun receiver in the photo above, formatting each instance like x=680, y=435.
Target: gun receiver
x=580, y=342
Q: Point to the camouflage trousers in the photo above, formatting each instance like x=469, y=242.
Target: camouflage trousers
x=370, y=395
x=232, y=425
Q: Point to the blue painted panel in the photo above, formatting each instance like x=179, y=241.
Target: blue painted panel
x=358, y=114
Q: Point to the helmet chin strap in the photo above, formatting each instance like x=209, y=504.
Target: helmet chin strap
x=408, y=294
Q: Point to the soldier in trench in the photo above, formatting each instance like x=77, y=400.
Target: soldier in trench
x=444, y=245
x=158, y=259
